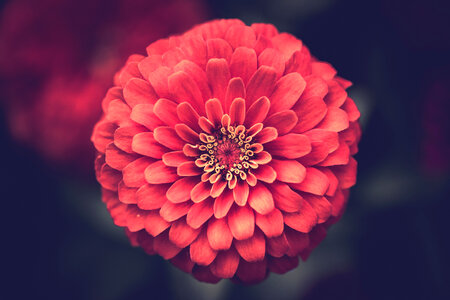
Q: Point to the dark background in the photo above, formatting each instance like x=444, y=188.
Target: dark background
x=58, y=241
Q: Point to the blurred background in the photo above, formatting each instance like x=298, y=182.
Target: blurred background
x=57, y=59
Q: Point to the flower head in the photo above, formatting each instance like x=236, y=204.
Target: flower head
x=227, y=150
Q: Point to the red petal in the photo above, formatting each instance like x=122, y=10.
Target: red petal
x=223, y=204
x=225, y=264
x=336, y=120
x=272, y=58
x=173, y=211
x=291, y=146
x=219, y=234
x=133, y=174
x=262, y=43
x=186, y=133
x=346, y=174
x=265, y=173
x=283, y=121
x=328, y=138
x=299, y=62
x=183, y=261
x=126, y=194
x=201, y=252
x=315, y=182
x=267, y=30
x=200, y=213
x=158, y=80
x=200, y=192
x=204, y=274
x=338, y=202
x=145, y=144
x=332, y=179
x=285, y=199
x=298, y=241
x=123, y=137
x=257, y=112
x=336, y=95
x=323, y=69
x=351, y=109
x=144, y=115
x=241, y=221
x=109, y=178
x=283, y=264
x=310, y=112
x=158, y=47
x=118, y=112
x=191, y=151
x=218, y=188
x=320, y=205
x=240, y=35
x=266, y=135
x=158, y=173
x=237, y=111
x=154, y=223
x=197, y=74
x=130, y=71
x=167, y=136
x=214, y=111
x=277, y=246
x=172, y=56
x=151, y=196
x=251, y=273
x=206, y=125
x=287, y=44
x=260, y=84
x=262, y=158
x=235, y=89
x=180, y=190
x=149, y=64
x=271, y=224
x=181, y=234
x=194, y=47
x=103, y=135
x=243, y=63
x=174, y=158
x=339, y=157
x=286, y=92
x=218, y=48
x=252, y=249
x=260, y=199
x=187, y=114
x=138, y=91
x=240, y=193
x=218, y=75
x=303, y=220
x=117, y=158
x=166, y=111
x=164, y=247
x=188, y=168
x=184, y=88
x=112, y=94
x=290, y=171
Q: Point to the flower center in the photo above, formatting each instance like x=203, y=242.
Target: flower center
x=227, y=153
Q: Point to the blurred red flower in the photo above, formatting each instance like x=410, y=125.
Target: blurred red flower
x=227, y=150
x=57, y=58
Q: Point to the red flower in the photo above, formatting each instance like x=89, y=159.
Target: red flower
x=57, y=58
x=227, y=150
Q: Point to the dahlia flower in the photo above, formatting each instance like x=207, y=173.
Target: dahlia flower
x=57, y=59
x=227, y=150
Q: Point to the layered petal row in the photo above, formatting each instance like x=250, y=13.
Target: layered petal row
x=227, y=150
